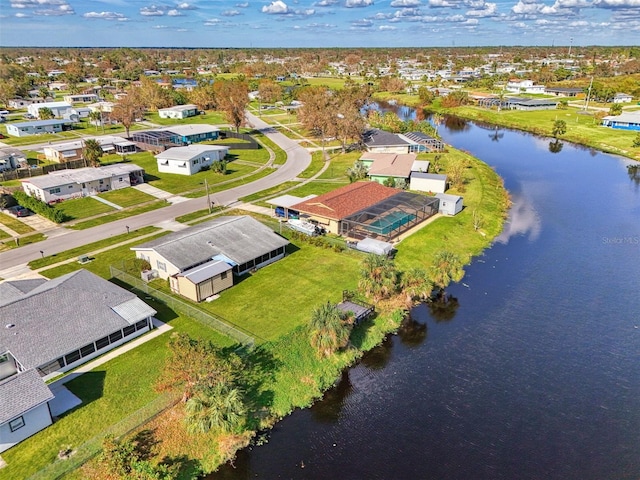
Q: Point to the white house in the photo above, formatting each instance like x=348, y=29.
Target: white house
x=58, y=108
x=22, y=129
x=524, y=86
x=622, y=98
x=449, y=204
x=178, y=111
x=81, y=98
x=64, y=184
x=428, y=182
x=190, y=159
x=92, y=316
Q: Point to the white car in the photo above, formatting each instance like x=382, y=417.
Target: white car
x=4, y=112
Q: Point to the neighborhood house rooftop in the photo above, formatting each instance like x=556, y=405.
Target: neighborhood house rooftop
x=81, y=175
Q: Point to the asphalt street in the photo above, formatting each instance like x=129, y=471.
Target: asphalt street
x=298, y=159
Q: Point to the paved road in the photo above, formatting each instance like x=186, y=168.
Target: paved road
x=298, y=159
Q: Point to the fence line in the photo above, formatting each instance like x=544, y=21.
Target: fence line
x=89, y=449
x=218, y=324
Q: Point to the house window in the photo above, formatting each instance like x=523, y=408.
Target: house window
x=142, y=324
x=196, y=161
x=129, y=330
x=161, y=266
x=70, y=186
x=223, y=275
x=16, y=423
x=54, y=190
x=87, y=350
x=114, y=337
x=102, y=342
x=72, y=357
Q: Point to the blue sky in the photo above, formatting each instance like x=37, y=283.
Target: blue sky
x=320, y=23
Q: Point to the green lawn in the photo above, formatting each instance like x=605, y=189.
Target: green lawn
x=90, y=247
x=9, y=243
x=14, y=224
x=270, y=192
x=317, y=162
x=260, y=156
x=317, y=187
x=281, y=155
x=78, y=208
x=338, y=166
x=119, y=214
x=127, y=197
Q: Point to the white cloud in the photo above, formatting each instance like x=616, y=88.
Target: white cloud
x=106, y=16
x=186, y=6
x=212, y=22
x=159, y=27
x=56, y=7
x=36, y=3
x=487, y=10
x=386, y=27
x=358, y=3
x=616, y=3
x=175, y=13
x=526, y=7
x=406, y=3
x=152, y=11
x=242, y=5
x=230, y=13
x=364, y=23
x=325, y=3
x=22, y=15
x=443, y=4
x=276, y=8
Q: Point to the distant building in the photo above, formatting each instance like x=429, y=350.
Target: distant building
x=12, y=158
x=81, y=98
x=58, y=108
x=524, y=86
x=178, y=111
x=622, y=98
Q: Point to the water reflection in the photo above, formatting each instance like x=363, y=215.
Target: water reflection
x=412, y=333
x=555, y=146
x=330, y=408
x=378, y=357
x=634, y=174
x=456, y=124
x=444, y=308
x=523, y=219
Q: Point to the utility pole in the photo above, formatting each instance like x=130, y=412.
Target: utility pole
x=570, y=45
x=586, y=101
x=206, y=186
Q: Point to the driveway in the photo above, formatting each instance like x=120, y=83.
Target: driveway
x=298, y=159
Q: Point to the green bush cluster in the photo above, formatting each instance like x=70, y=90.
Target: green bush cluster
x=317, y=241
x=40, y=207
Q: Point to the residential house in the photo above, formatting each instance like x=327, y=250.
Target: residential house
x=624, y=121
x=367, y=209
x=25, y=102
x=449, y=204
x=190, y=159
x=622, y=98
x=64, y=184
x=199, y=260
x=381, y=141
x=178, y=111
x=564, y=91
x=382, y=166
x=12, y=158
x=517, y=103
x=428, y=182
x=81, y=98
x=69, y=151
x=524, y=86
x=174, y=136
x=58, y=108
x=23, y=129
x=50, y=327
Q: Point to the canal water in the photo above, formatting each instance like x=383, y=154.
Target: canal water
x=532, y=372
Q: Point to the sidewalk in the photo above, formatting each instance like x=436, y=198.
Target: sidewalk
x=161, y=194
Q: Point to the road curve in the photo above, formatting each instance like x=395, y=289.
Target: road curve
x=298, y=159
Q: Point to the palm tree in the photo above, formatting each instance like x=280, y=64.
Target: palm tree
x=330, y=329
x=446, y=268
x=415, y=285
x=357, y=172
x=219, y=406
x=45, y=113
x=92, y=152
x=378, y=277
x=559, y=128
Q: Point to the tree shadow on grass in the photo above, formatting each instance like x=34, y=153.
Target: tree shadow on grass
x=183, y=466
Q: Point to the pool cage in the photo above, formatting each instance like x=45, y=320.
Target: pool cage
x=156, y=140
x=389, y=218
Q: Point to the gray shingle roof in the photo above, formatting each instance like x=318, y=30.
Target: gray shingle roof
x=239, y=238
x=63, y=315
x=21, y=393
x=380, y=138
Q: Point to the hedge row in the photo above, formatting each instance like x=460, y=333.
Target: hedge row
x=40, y=208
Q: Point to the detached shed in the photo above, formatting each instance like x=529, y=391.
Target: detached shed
x=203, y=281
x=449, y=204
x=428, y=182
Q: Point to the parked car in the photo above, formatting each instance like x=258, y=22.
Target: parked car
x=20, y=211
x=4, y=112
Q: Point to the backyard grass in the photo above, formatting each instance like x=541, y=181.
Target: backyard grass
x=119, y=215
x=14, y=224
x=90, y=247
x=127, y=197
x=79, y=208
